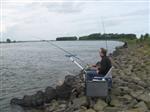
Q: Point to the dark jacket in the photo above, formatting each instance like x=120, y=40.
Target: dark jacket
x=104, y=65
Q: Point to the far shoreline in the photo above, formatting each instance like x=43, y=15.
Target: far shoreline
x=55, y=41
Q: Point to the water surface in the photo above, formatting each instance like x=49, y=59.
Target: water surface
x=28, y=67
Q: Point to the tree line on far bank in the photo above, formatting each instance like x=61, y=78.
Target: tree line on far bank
x=98, y=36
x=110, y=36
x=144, y=39
x=8, y=40
x=66, y=38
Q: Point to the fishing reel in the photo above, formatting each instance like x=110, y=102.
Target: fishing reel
x=87, y=67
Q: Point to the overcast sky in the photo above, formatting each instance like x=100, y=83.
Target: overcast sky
x=28, y=20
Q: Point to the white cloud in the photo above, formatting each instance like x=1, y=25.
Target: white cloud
x=24, y=21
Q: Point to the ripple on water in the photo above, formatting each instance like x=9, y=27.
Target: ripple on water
x=29, y=67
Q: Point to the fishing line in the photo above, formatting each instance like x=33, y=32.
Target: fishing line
x=69, y=53
x=104, y=32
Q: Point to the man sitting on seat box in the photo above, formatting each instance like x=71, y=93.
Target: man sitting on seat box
x=101, y=68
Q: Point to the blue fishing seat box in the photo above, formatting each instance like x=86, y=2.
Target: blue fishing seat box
x=97, y=88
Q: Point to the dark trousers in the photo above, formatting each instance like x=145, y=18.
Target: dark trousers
x=90, y=74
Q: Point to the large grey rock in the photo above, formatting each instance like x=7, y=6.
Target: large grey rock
x=124, y=90
x=115, y=102
x=90, y=110
x=136, y=87
x=146, y=98
x=133, y=110
x=52, y=106
x=82, y=109
x=127, y=97
x=112, y=109
x=136, y=94
x=78, y=102
x=61, y=108
x=50, y=93
x=141, y=106
x=37, y=99
x=119, y=90
x=61, y=92
x=100, y=105
x=16, y=101
x=27, y=101
x=70, y=80
x=64, y=91
x=30, y=100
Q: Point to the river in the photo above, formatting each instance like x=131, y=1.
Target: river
x=31, y=66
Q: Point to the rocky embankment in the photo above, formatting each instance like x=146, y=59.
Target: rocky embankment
x=130, y=91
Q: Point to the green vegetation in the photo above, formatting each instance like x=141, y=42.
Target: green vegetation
x=110, y=36
x=144, y=39
x=144, y=43
x=66, y=38
x=131, y=39
x=8, y=40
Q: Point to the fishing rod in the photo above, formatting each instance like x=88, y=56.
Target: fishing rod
x=83, y=69
x=72, y=56
x=69, y=54
x=104, y=32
